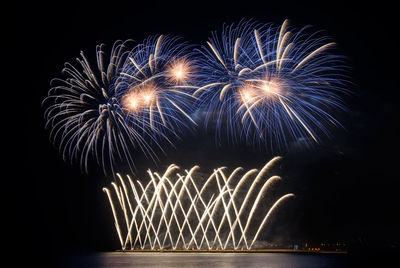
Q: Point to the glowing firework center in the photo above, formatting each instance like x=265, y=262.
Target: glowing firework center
x=172, y=211
x=139, y=98
x=144, y=94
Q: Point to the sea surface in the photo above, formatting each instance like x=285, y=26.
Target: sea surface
x=209, y=260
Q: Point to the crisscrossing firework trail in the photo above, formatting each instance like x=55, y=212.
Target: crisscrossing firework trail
x=175, y=213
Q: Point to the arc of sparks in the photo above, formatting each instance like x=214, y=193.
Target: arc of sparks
x=312, y=54
x=179, y=214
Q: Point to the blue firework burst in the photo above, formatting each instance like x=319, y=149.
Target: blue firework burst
x=155, y=87
x=131, y=101
x=269, y=85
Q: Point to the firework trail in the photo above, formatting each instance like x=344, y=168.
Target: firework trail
x=175, y=211
x=109, y=112
x=266, y=84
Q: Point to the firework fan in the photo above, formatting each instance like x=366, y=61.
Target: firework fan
x=91, y=113
x=266, y=84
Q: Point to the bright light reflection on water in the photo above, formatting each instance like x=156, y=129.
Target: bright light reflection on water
x=210, y=260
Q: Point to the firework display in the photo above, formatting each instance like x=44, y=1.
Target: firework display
x=85, y=117
x=175, y=212
x=270, y=87
x=153, y=87
x=259, y=84
x=133, y=101
x=267, y=85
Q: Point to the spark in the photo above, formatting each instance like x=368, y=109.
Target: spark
x=126, y=106
x=86, y=118
x=139, y=98
x=172, y=211
x=270, y=84
x=159, y=73
x=180, y=72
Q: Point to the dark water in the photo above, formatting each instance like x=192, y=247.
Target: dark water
x=247, y=260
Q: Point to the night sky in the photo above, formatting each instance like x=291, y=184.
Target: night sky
x=346, y=187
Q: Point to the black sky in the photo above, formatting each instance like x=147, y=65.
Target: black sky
x=346, y=187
